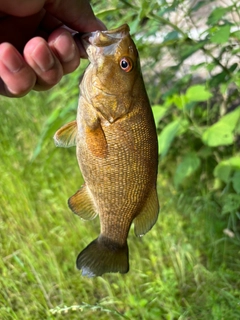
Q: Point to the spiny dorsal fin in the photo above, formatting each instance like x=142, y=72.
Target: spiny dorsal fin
x=65, y=137
x=82, y=204
x=148, y=216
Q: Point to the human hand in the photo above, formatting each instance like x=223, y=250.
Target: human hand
x=36, y=47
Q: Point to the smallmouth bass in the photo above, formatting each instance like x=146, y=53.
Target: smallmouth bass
x=117, y=151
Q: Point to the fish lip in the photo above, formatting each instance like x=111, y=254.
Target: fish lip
x=105, y=38
x=117, y=33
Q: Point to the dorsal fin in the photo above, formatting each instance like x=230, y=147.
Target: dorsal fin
x=82, y=204
x=66, y=136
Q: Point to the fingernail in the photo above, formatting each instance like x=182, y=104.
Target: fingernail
x=45, y=60
x=14, y=62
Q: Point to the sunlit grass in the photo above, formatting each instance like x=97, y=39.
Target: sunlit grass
x=184, y=268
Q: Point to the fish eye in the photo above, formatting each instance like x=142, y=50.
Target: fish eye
x=126, y=64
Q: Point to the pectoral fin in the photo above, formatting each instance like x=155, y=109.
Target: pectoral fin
x=65, y=137
x=148, y=216
x=96, y=141
x=82, y=204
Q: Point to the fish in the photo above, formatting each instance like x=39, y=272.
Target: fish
x=116, y=148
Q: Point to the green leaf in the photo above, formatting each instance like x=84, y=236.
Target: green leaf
x=219, y=78
x=221, y=133
x=236, y=34
x=231, y=203
x=218, y=135
x=198, y=5
x=167, y=136
x=189, y=49
x=198, y=93
x=217, y=14
x=179, y=100
x=103, y=14
x=225, y=168
x=221, y=35
x=144, y=9
x=171, y=36
x=189, y=164
x=223, y=172
x=236, y=181
x=158, y=112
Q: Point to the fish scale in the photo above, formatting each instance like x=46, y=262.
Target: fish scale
x=117, y=152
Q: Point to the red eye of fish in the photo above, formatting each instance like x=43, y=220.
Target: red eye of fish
x=126, y=64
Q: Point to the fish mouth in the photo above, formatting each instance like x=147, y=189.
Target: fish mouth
x=104, y=38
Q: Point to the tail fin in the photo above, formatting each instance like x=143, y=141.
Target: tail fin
x=103, y=255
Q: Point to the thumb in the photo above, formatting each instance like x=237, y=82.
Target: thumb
x=76, y=14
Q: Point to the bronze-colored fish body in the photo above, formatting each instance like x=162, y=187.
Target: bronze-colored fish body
x=117, y=150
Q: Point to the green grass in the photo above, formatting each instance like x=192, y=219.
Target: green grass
x=184, y=268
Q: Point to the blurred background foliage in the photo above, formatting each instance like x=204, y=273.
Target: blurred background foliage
x=187, y=267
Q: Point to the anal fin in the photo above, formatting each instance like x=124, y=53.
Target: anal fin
x=66, y=136
x=148, y=215
x=82, y=204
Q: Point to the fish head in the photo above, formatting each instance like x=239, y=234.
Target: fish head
x=114, y=65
